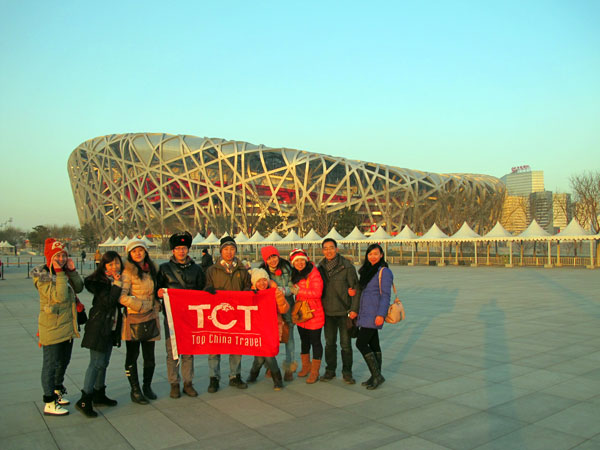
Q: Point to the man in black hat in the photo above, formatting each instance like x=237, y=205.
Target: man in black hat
x=227, y=274
x=206, y=261
x=181, y=272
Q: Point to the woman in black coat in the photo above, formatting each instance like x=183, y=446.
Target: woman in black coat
x=102, y=330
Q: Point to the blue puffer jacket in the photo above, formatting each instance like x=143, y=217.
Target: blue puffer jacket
x=372, y=303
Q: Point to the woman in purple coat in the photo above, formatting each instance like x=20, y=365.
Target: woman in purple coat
x=375, y=284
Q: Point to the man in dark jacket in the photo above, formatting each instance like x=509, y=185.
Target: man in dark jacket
x=181, y=272
x=206, y=260
x=227, y=274
x=340, y=282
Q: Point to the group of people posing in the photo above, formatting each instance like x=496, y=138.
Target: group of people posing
x=127, y=302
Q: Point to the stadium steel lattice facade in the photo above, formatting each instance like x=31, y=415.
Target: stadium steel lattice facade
x=155, y=183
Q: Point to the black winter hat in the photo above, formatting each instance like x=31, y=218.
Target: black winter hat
x=227, y=240
x=178, y=239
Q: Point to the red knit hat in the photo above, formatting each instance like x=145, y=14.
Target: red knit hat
x=298, y=253
x=51, y=248
x=268, y=251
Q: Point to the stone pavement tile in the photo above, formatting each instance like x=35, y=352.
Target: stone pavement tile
x=391, y=404
x=20, y=418
x=470, y=360
x=500, y=373
x=302, y=428
x=533, y=407
x=533, y=437
x=412, y=443
x=446, y=366
x=292, y=402
x=150, y=430
x=539, y=379
x=427, y=417
x=592, y=374
x=451, y=387
x=245, y=439
x=248, y=410
x=591, y=444
x=329, y=393
x=472, y=431
x=595, y=356
x=398, y=380
x=38, y=440
x=578, y=388
x=577, y=350
x=368, y=435
x=93, y=434
x=489, y=396
x=582, y=419
x=201, y=420
x=417, y=371
x=575, y=366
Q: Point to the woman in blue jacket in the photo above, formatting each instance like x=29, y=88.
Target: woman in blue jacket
x=375, y=283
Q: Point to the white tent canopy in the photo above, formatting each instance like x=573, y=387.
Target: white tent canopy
x=533, y=232
x=498, y=233
x=198, y=239
x=211, y=239
x=379, y=235
x=241, y=237
x=333, y=234
x=292, y=237
x=405, y=234
x=256, y=237
x=572, y=231
x=465, y=233
x=273, y=237
x=355, y=235
x=312, y=237
x=434, y=234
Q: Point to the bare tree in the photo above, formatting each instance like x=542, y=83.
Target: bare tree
x=586, y=197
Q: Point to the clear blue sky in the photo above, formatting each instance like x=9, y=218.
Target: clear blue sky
x=440, y=86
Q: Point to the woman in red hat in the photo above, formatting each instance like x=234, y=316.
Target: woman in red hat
x=280, y=271
x=57, y=283
x=308, y=287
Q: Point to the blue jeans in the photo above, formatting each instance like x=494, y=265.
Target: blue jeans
x=56, y=358
x=214, y=366
x=290, y=348
x=95, y=375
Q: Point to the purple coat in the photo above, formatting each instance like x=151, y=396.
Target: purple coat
x=372, y=303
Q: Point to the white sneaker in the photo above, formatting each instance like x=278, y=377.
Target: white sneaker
x=62, y=400
x=54, y=409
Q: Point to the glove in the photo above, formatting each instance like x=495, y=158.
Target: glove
x=211, y=290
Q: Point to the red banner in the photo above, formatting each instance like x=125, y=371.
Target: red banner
x=228, y=322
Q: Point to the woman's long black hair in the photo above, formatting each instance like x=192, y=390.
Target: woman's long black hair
x=100, y=273
x=147, y=260
x=298, y=275
x=283, y=265
x=367, y=271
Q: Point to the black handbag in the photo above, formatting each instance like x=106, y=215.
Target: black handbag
x=144, y=331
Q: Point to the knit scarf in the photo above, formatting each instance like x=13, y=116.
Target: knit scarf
x=302, y=274
x=368, y=271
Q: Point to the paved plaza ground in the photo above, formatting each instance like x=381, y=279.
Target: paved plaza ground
x=488, y=358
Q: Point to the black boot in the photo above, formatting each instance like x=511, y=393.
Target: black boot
x=134, y=382
x=100, y=398
x=370, y=380
x=277, y=380
x=254, y=371
x=84, y=405
x=373, y=366
x=213, y=385
x=146, y=387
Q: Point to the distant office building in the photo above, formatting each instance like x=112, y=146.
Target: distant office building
x=523, y=181
x=561, y=211
x=541, y=209
x=515, y=213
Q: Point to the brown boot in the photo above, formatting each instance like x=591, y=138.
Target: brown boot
x=189, y=390
x=305, y=365
x=174, y=391
x=314, y=371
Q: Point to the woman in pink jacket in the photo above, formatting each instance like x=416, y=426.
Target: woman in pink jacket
x=308, y=286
